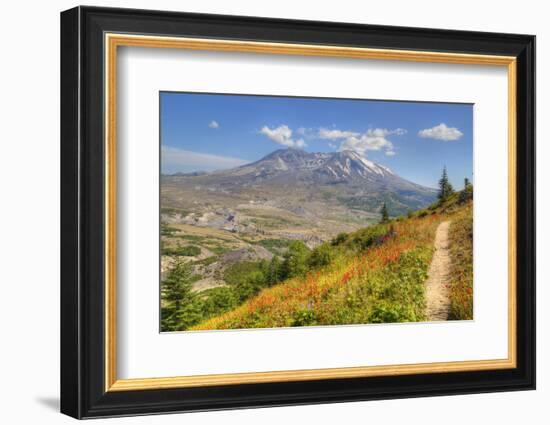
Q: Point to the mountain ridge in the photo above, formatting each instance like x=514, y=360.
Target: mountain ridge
x=291, y=191
x=336, y=165
x=290, y=166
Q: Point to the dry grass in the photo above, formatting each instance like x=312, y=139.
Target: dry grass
x=461, y=274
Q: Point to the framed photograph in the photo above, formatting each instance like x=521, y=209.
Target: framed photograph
x=261, y=212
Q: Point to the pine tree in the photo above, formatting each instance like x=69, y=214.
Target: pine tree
x=384, y=212
x=467, y=193
x=445, y=187
x=179, y=311
x=321, y=255
x=295, y=260
x=274, y=271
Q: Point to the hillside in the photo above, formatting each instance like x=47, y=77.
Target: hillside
x=373, y=275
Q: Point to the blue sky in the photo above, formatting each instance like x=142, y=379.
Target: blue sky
x=206, y=132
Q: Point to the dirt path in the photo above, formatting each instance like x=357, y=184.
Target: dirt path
x=437, y=292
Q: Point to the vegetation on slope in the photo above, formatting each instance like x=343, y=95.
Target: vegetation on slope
x=461, y=273
x=245, y=279
x=182, y=251
x=376, y=275
x=373, y=275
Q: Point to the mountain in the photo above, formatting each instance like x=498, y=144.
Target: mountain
x=292, y=165
x=348, y=169
x=291, y=189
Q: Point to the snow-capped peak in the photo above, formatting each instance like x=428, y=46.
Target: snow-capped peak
x=370, y=166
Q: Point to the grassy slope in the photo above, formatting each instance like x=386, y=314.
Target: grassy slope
x=461, y=285
x=384, y=283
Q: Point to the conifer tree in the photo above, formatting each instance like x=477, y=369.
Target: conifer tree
x=178, y=311
x=274, y=271
x=384, y=212
x=295, y=260
x=445, y=187
x=467, y=193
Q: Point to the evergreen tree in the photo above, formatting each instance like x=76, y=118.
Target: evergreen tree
x=445, y=187
x=321, y=256
x=467, y=193
x=274, y=271
x=219, y=300
x=384, y=212
x=296, y=258
x=250, y=284
x=179, y=309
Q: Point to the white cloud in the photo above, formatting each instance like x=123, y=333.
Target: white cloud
x=441, y=132
x=283, y=136
x=175, y=160
x=213, y=124
x=374, y=139
x=335, y=134
x=366, y=143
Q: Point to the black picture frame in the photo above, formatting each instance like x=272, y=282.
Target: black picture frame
x=83, y=392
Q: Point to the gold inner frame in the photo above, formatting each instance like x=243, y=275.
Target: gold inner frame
x=113, y=41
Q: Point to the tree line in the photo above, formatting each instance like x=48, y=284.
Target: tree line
x=444, y=193
x=446, y=189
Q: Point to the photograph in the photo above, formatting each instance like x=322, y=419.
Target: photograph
x=279, y=211
x=283, y=210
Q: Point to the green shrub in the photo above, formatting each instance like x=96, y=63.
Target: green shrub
x=173, y=211
x=339, y=239
x=250, y=285
x=295, y=260
x=304, y=317
x=321, y=256
x=386, y=312
x=275, y=246
x=166, y=230
x=207, y=261
x=182, y=251
x=236, y=272
x=218, y=249
x=373, y=235
x=247, y=278
x=219, y=300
